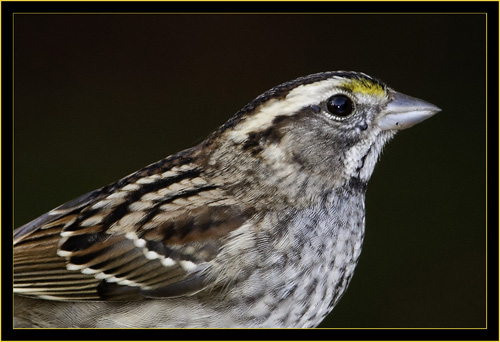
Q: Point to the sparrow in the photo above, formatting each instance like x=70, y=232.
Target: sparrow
x=259, y=225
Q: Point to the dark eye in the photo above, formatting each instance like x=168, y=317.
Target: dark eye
x=340, y=105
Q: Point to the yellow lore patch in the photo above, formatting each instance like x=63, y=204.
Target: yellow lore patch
x=364, y=86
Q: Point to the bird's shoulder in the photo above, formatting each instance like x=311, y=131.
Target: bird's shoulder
x=151, y=234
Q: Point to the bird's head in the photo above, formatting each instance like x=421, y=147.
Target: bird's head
x=332, y=123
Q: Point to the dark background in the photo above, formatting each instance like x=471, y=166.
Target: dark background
x=98, y=96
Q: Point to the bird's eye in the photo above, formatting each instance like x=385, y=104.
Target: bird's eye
x=340, y=105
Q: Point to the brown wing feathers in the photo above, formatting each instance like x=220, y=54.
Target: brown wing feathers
x=136, y=237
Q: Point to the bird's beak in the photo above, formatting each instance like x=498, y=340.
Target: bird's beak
x=405, y=111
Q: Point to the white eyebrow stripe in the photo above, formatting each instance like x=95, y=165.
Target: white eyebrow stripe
x=298, y=98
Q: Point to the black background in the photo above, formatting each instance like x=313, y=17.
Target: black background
x=98, y=96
